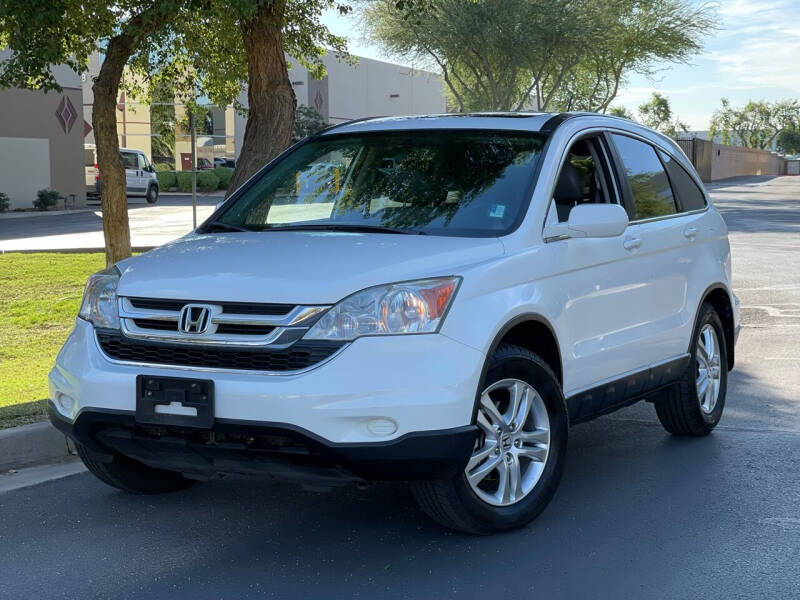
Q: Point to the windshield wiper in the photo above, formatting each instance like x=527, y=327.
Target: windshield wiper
x=219, y=225
x=344, y=227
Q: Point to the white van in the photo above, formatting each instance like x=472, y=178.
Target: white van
x=140, y=175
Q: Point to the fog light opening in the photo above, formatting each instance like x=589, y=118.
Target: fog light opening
x=381, y=427
x=65, y=403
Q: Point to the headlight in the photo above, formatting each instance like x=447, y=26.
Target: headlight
x=394, y=309
x=99, y=304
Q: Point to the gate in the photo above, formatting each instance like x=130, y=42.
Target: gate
x=699, y=153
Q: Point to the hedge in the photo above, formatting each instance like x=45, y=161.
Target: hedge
x=206, y=181
x=166, y=180
x=224, y=175
x=184, y=181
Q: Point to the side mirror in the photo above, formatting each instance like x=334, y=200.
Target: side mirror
x=590, y=221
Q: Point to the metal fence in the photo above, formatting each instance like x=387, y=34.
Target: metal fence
x=700, y=153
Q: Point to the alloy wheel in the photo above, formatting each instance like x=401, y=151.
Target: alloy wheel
x=512, y=450
x=709, y=372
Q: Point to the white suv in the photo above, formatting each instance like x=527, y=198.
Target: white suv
x=439, y=306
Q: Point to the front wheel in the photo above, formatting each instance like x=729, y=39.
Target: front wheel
x=695, y=407
x=132, y=476
x=518, y=458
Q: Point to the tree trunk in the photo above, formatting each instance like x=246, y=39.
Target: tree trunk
x=270, y=95
x=114, y=200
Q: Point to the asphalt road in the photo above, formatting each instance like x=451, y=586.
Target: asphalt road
x=639, y=514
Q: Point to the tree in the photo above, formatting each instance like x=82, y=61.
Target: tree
x=620, y=111
x=564, y=54
x=789, y=140
x=656, y=113
x=206, y=47
x=43, y=34
x=756, y=124
x=307, y=121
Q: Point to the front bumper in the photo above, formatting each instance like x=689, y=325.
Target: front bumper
x=409, y=385
x=279, y=450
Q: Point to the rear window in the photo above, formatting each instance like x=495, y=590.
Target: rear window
x=460, y=183
x=649, y=185
x=88, y=157
x=690, y=196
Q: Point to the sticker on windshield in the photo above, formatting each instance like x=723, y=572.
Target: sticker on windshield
x=497, y=211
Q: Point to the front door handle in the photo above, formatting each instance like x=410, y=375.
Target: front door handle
x=690, y=232
x=631, y=243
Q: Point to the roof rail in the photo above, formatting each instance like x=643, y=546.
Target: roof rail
x=350, y=122
x=553, y=122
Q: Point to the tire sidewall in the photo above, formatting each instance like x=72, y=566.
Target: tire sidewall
x=152, y=194
x=508, y=517
x=709, y=316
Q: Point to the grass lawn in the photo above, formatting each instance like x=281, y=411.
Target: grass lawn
x=39, y=297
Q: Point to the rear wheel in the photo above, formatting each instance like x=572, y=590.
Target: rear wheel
x=132, y=476
x=518, y=458
x=695, y=406
x=152, y=194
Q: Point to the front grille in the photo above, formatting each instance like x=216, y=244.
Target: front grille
x=301, y=355
x=222, y=323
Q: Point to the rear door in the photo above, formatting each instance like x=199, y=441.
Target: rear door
x=661, y=238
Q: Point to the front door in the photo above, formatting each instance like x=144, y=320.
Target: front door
x=130, y=161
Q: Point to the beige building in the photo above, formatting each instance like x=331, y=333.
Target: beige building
x=41, y=141
x=369, y=88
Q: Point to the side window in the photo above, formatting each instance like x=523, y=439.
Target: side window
x=129, y=160
x=142, y=162
x=690, y=197
x=583, y=179
x=649, y=185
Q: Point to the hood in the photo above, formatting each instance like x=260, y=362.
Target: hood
x=294, y=267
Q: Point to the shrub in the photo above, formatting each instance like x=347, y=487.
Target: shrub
x=184, y=181
x=46, y=199
x=164, y=167
x=207, y=181
x=224, y=175
x=166, y=179
x=4, y=202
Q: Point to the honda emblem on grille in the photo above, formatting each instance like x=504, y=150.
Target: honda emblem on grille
x=195, y=318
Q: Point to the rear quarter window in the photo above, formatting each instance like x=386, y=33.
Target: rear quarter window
x=689, y=195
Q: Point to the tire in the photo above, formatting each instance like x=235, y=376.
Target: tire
x=132, y=476
x=683, y=411
x=152, y=194
x=467, y=507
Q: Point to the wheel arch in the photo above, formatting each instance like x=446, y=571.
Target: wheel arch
x=718, y=296
x=533, y=332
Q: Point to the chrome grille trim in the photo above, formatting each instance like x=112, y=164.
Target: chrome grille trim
x=287, y=328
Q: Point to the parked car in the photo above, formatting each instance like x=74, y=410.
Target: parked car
x=140, y=175
x=468, y=289
x=224, y=162
x=203, y=164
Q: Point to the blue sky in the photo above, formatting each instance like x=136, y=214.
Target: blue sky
x=755, y=54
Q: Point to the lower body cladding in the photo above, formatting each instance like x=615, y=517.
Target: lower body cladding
x=383, y=408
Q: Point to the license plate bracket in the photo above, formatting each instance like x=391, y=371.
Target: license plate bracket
x=175, y=401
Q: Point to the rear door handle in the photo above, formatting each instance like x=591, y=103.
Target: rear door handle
x=631, y=243
x=690, y=233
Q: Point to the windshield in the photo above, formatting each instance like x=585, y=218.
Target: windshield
x=444, y=182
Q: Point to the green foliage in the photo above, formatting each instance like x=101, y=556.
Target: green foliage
x=656, y=113
x=307, y=121
x=207, y=181
x=789, y=140
x=756, y=124
x=550, y=54
x=166, y=180
x=224, y=175
x=163, y=167
x=620, y=111
x=184, y=181
x=5, y=203
x=46, y=199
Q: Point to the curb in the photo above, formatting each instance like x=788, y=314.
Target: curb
x=28, y=214
x=30, y=445
x=72, y=250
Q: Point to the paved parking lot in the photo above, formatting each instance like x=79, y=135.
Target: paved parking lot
x=639, y=514
x=151, y=225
